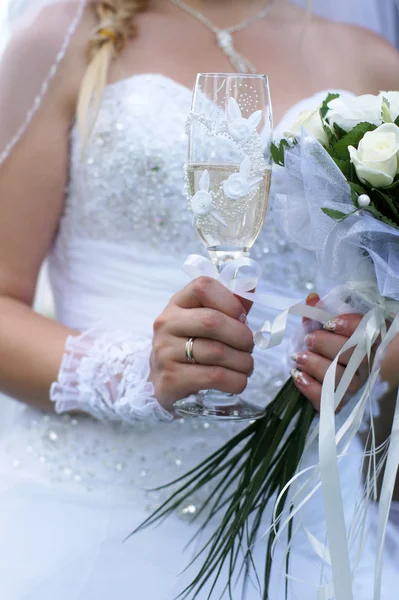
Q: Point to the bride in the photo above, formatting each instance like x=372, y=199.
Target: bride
x=91, y=178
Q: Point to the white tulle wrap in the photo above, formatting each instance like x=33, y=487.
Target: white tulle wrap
x=105, y=374
x=362, y=255
x=312, y=181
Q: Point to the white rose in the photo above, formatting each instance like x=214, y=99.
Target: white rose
x=310, y=121
x=241, y=184
x=393, y=99
x=236, y=187
x=201, y=203
x=376, y=159
x=348, y=112
x=240, y=129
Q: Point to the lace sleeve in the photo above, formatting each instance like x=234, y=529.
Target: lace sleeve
x=106, y=376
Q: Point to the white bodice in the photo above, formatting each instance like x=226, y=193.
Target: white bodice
x=118, y=257
x=126, y=206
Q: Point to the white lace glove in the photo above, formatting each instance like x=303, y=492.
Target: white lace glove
x=106, y=376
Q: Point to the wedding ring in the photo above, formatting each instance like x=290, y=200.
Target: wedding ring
x=189, y=350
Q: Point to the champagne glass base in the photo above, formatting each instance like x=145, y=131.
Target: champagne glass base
x=237, y=409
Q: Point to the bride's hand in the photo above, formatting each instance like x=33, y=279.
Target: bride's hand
x=322, y=348
x=207, y=311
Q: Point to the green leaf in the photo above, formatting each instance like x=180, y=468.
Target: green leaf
x=388, y=221
x=277, y=152
x=324, y=107
x=387, y=207
x=337, y=215
x=339, y=132
x=397, y=121
x=343, y=165
x=352, y=138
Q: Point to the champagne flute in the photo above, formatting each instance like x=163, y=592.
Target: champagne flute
x=228, y=176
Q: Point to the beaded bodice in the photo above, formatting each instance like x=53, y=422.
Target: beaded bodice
x=130, y=188
x=131, y=183
x=122, y=240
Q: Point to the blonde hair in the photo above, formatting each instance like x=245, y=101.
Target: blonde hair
x=116, y=25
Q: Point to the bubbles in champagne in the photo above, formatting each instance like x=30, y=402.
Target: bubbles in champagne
x=238, y=209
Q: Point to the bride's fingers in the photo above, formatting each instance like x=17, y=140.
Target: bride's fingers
x=317, y=366
x=309, y=387
x=208, y=352
x=213, y=325
x=185, y=380
x=209, y=293
x=343, y=325
x=312, y=300
x=328, y=345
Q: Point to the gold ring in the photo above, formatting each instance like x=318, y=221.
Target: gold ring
x=189, y=350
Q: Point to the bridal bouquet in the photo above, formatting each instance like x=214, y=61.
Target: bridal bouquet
x=340, y=200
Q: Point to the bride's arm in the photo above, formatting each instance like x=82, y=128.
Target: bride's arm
x=32, y=348
x=32, y=183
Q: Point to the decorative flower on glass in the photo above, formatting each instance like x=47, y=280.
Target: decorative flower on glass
x=240, y=129
x=202, y=201
x=240, y=184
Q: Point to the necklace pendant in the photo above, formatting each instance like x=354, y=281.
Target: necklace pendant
x=225, y=41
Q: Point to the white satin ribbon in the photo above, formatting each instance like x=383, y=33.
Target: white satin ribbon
x=241, y=276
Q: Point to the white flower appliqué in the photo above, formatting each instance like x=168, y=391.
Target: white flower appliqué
x=240, y=184
x=201, y=202
x=240, y=129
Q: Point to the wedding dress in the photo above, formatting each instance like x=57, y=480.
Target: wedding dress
x=73, y=488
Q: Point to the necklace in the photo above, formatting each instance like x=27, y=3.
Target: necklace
x=224, y=36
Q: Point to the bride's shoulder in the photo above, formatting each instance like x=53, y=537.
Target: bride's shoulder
x=376, y=59
x=366, y=58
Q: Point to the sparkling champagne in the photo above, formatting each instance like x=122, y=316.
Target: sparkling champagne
x=231, y=225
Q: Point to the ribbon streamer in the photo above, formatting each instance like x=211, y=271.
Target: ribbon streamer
x=371, y=327
x=241, y=276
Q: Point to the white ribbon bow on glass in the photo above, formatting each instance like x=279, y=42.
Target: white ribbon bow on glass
x=241, y=276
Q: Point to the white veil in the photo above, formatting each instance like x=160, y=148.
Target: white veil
x=34, y=38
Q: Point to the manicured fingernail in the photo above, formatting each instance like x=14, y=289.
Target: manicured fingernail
x=299, y=357
x=299, y=377
x=312, y=296
x=309, y=339
x=243, y=319
x=333, y=324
